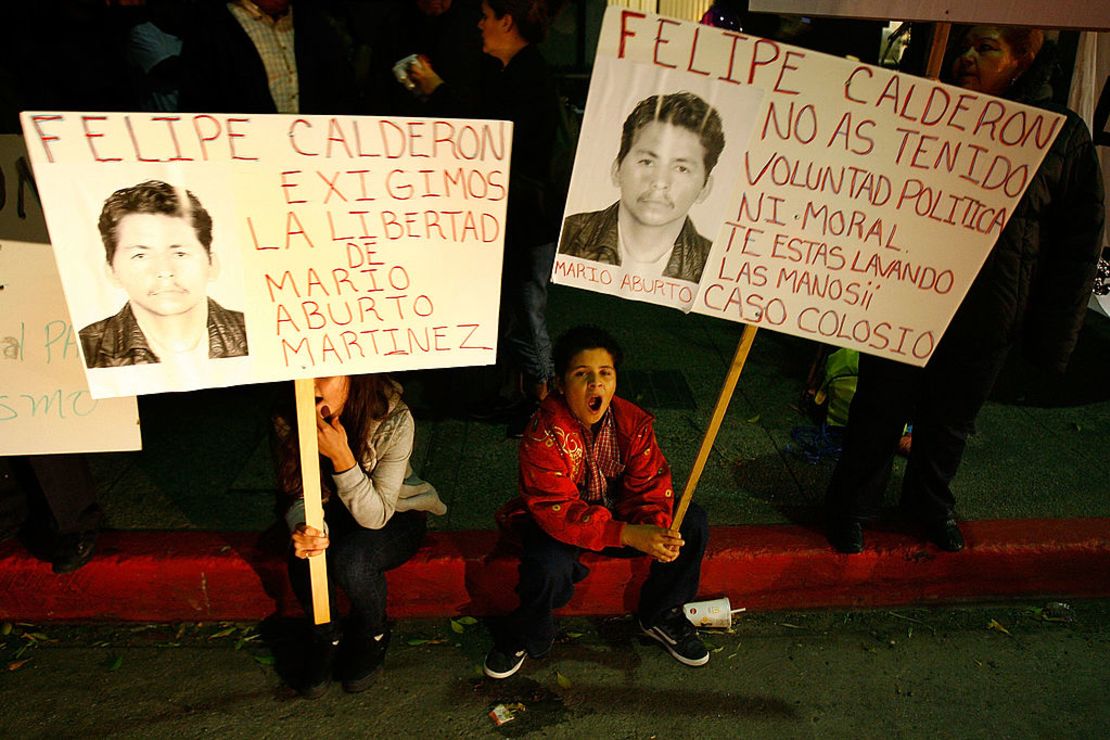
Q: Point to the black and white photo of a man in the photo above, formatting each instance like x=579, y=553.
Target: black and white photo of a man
x=158, y=250
x=669, y=147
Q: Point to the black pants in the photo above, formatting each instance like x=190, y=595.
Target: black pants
x=941, y=400
x=64, y=483
x=550, y=568
x=357, y=561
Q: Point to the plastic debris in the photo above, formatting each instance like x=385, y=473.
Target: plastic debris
x=503, y=713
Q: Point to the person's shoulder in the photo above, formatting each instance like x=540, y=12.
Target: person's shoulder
x=580, y=230
x=626, y=413
x=553, y=410
x=96, y=330
x=226, y=317
x=584, y=219
x=551, y=421
x=113, y=341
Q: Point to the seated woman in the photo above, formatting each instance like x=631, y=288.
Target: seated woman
x=365, y=434
x=593, y=477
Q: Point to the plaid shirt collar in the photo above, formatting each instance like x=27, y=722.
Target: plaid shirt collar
x=603, y=459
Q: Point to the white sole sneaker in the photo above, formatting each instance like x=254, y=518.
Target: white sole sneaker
x=665, y=640
x=518, y=656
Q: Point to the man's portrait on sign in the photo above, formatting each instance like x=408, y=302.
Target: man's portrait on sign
x=669, y=146
x=157, y=242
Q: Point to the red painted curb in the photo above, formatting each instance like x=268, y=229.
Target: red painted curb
x=201, y=576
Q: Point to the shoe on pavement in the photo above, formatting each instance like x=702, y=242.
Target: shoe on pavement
x=675, y=633
x=947, y=535
x=846, y=536
x=501, y=663
x=365, y=658
x=72, y=551
x=318, y=668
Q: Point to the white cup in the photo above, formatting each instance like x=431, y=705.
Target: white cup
x=712, y=613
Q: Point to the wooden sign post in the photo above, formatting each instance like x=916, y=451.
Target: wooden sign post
x=723, y=399
x=313, y=505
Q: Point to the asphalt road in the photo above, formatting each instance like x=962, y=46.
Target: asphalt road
x=985, y=671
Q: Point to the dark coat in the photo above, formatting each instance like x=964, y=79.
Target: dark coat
x=1036, y=282
x=118, y=340
x=593, y=236
x=523, y=92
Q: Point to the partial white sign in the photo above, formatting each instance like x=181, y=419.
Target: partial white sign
x=1087, y=14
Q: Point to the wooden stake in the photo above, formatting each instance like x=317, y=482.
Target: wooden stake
x=310, y=481
x=738, y=360
x=936, y=51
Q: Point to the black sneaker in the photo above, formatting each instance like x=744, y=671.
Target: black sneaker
x=318, y=668
x=502, y=664
x=365, y=658
x=72, y=551
x=846, y=536
x=947, y=535
x=675, y=633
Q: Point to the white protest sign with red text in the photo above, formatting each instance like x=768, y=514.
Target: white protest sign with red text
x=866, y=200
x=348, y=244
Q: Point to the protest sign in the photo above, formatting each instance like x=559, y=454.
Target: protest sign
x=45, y=406
x=1057, y=14
x=318, y=245
x=866, y=200
x=645, y=199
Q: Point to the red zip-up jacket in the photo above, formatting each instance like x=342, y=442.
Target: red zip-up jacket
x=553, y=474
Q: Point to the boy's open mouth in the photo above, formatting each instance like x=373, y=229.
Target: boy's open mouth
x=594, y=403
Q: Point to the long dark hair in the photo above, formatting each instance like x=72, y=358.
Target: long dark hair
x=368, y=398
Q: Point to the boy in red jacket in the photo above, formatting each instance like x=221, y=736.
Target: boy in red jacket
x=593, y=477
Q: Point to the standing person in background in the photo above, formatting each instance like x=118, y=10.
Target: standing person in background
x=267, y=56
x=365, y=434
x=1035, y=285
x=446, y=33
x=524, y=92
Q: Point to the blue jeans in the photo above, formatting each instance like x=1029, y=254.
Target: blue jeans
x=357, y=561
x=527, y=344
x=549, y=569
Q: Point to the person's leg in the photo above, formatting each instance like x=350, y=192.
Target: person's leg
x=881, y=406
x=532, y=342
x=67, y=486
x=323, y=638
x=358, y=563
x=954, y=391
x=13, y=501
x=548, y=571
x=527, y=341
x=670, y=585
